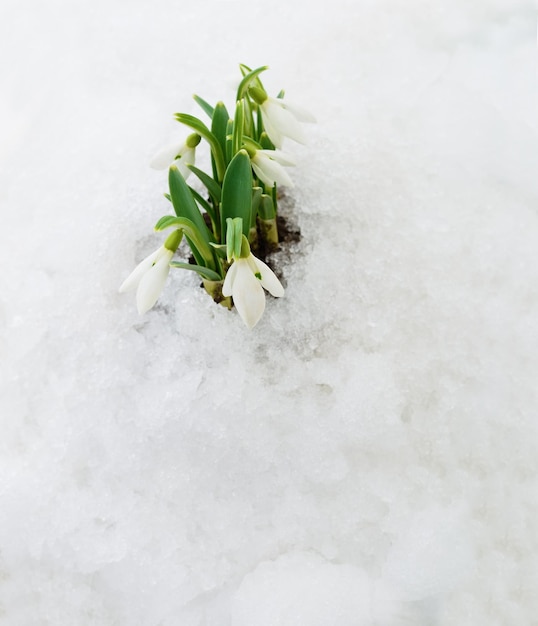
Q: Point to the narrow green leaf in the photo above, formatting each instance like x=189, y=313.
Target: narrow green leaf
x=256, y=197
x=205, y=105
x=234, y=237
x=198, y=256
x=249, y=78
x=248, y=127
x=237, y=192
x=259, y=124
x=165, y=222
x=201, y=200
x=183, y=202
x=266, y=209
x=274, y=196
x=265, y=142
x=239, y=120
x=211, y=185
x=203, y=271
x=220, y=250
x=250, y=143
x=214, y=215
x=195, y=124
x=230, y=233
x=203, y=130
x=201, y=249
x=219, y=125
x=238, y=238
x=229, y=142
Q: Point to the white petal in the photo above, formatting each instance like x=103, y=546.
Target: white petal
x=261, y=175
x=270, y=170
x=227, y=286
x=166, y=156
x=284, y=121
x=280, y=157
x=152, y=283
x=248, y=295
x=183, y=169
x=131, y=282
x=187, y=158
x=269, y=280
x=298, y=112
x=272, y=131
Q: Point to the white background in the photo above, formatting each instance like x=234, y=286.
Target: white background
x=368, y=453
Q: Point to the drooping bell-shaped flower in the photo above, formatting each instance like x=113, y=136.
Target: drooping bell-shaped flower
x=245, y=281
x=179, y=154
x=268, y=167
x=280, y=117
x=149, y=276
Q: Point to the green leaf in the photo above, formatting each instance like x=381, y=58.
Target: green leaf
x=239, y=120
x=266, y=210
x=250, y=143
x=256, y=197
x=230, y=233
x=210, y=211
x=219, y=125
x=203, y=130
x=259, y=124
x=165, y=222
x=201, y=200
x=201, y=249
x=229, y=137
x=234, y=236
x=248, y=127
x=237, y=192
x=220, y=250
x=204, y=272
x=212, y=186
x=238, y=238
x=205, y=105
x=249, y=78
x=265, y=142
x=183, y=202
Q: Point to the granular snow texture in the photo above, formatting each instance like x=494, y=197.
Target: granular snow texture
x=368, y=454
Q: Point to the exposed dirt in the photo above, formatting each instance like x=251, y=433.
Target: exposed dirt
x=288, y=234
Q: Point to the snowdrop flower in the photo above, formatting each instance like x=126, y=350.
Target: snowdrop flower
x=280, y=117
x=267, y=165
x=149, y=275
x=180, y=154
x=245, y=281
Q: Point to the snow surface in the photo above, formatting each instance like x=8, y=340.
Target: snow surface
x=369, y=453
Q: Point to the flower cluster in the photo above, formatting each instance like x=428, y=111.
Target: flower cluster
x=235, y=209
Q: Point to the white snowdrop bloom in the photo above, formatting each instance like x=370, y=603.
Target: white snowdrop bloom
x=268, y=166
x=179, y=154
x=281, y=118
x=149, y=276
x=244, y=282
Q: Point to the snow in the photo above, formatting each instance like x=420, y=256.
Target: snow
x=368, y=453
